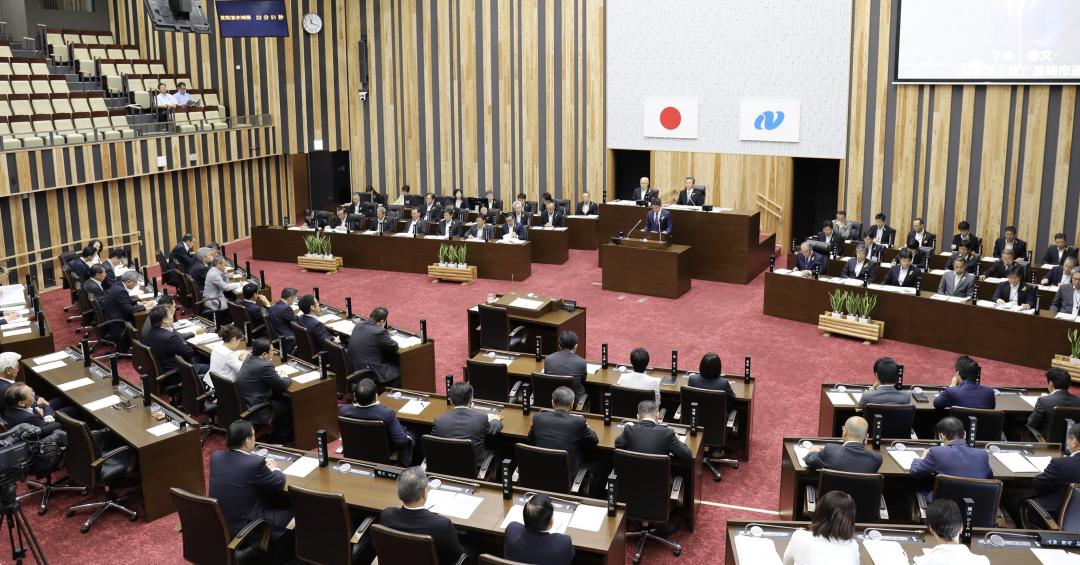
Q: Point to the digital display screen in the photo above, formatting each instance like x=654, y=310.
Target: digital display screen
x=252, y=18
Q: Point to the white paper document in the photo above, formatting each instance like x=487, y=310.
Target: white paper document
x=327, y=318
x=286, y=370
x=1065, y=316
x=1040, y=463
x=203, y=339
x=1030, y=399
x=70, y=385
x=16, y=332
x=302, y=467
x=560, y=520
x=885, y=552
x=801, y=452
x=904, y=458
x=103, y=403
x=526, y=303
x=49, y=366
x=162, y=429
x=404, y=341
x=1016, y=462
x=413, y=407
x=306, y=377
x=453, y=504
x=23, y=323
x=588, y=518
x=759, y=551
x=343, y=326
x=1048, y=556
x=591, y=368
x=50, y=358
x=840, y=398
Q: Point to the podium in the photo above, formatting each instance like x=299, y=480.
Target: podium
x=646, y=266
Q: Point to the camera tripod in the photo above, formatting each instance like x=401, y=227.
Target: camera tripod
x=11, y=513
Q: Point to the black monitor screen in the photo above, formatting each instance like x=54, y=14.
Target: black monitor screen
x=252, y=18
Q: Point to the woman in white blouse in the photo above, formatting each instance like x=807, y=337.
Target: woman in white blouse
x=831, y=537
x=227, y=357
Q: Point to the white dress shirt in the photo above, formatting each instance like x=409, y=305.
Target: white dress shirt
x=807, y=549
x=640, y=380
x=166, y=99
x=1014, y=293
x=950, y=554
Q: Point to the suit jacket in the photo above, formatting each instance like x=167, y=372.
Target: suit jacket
x=956, y=459
x=1000, y=270
x=545, y=548
x=15, y=416
x=357, y=208
x=181, y=257
x=417, y=227
x=567, y=363
x=493, y=204
x=1063, y=299
x=381, y=413
x=885, y=394
x=557, y=219
x=815, y=262
x=692, y=197
x=972, y=262
x=110, y=275
x=519, y=230
x=647, y=195
x=259, y=382
x=967, y=395
x=851, y=457
x=523, y=219
x=214, y=290
x=317, y=329
x=952, y=286
x=846, y=231
x=279, y=315
x=556, y=429
x=425, y=522
x=875, y=251
x=888, y=236
x=246, y=490
x=1019, y=248
x=1055, y=256
x=198, y=272
x=591, y=210
x=928, y=239
x=869, y=268
x=719, y=383
x=648, y=437
x=475, y=232
x=1054, y=481
x=1040, y=415
x=352, y=225
x=370, y=346
x=166, y=344
x=974, y=243
x=1025, y=293
x=455, y=228
x=835, y=242
x=466, y=423
x=432, y=212
x=1055, y=275
x=255, y=312
x=664, y=224
x=118, y=305
x=93, y=290
x=892, y=278
x=80, y=267
x=388, y=225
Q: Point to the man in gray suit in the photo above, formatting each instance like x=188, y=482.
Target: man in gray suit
x=567, y=362
x=1067, y=298
x=957, y=282
x=464, y=422
x=371, y=347
x=843, y=228
x=884, y=391
x=215, y=288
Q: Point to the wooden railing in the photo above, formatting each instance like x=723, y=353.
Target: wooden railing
x=43, y=264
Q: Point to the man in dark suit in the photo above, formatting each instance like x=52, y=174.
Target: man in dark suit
x=1010, y=241
x=413, y=517
x=431, y=210
x=526, y=206
x=884, y=391
x=417, y=224
x=958, y=281
x=521, y=212
x=491, y=202
x=971, y=260
x=1056, y=254
x=965, y=390
x=919, y=235
x=118, y=305
x=953, y=456
x=647, y=435
x=532, y=542
x=181, y=255
x=1013, y=290
x=167, y=344
x=809, y=261
x=281, y=314
x=566, y=362
x=448, y=226
x=117, y=258
x=81, y=264
x=463, y=422
x=21, y=406
x=690, y=195
x=587, y=207
x=918, y=256
x=371, y=347
x=309, y=319
x=259, y=382
x=355, y=206
x=481, y=230
x=851, y=455
x=1058, y=381
x=657, y=219
x=94, y=287
x=644, y=192
x=512, y=230
x=1001, y=267
x=1059, y=475
x=1060, y=274
x=829, y=237
x=340, y=221
x=551, y=217
x=1067, y=298
x=249, y=487
x=873, y=250
x=382, y=223
x=965, y=237
x=903, y=274
x=559, y=429
x=200, y=267
x=365, y=406
x=880, y=232
x=254, y=303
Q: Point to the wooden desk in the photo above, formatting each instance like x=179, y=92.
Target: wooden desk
x=724, y=246
x=416, y=363
x=516, y=427
x=597, y=383
x=548, y=326
x=170, y=460
x=663, y=272
x=1010, y=400
x=549, y=245
x=583, y=231
x=33, y=342
x=1031, y=340
x=899, y=484
x=1017, y=552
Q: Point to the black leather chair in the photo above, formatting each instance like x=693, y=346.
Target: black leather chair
x=547, y=470
x=87, y=465
x=168, y=272
x=990, y=423
x=206, y=535
x=367, y=440
x=715, y=419
x=643, y=481
x=145, y=362
x=240, y=315
x=230, y=404
x=109, y=332
x=274, y=338
x=491, y=381
x=1067, y=519
x=985, y=492
x=495, y=332
x=1056, y=425
x=454, y=457
x=44, y=484
x=196, y=402
x=323, y=530
x=865, y=488
x=337, y=362
x=394, y=546
x=543, y=385
x=897, y=419
x=624, y=401
x=305, y=344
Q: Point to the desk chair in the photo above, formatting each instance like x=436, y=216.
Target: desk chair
x=108, y=332
x=368, y=440
x=455, y=457
x=1067, y=520
x=87, y=318
x=194, y=401
x=145, y=362
x=206, y=535
x=168, y=271
x=338, y=363
x=240, y=315
x=491, y=381
x=714, y=418
x=897, y=419
x=543, y=385
x=865, y=488
x=989, y=425
x=87, y=465
x=305, y=344
x=273, y=336
x=495, y=332
x=643, y=481
x=195, y=298
x=322, y=528
x=231, y=406
x=1055, y=427
x=130, y=331
x=356, y=222
x=985, y=492
x=624, y=401
x=74, y=286
x=395, y=546
x=489, y=559
x=547, y=469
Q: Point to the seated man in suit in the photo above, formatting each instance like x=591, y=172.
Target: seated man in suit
x=355, y=206
x=710, y=376
x=644, y=191
x=166, y=345
x=1067, y=298
x=559, y=429
x=964, y=390
x=1056, y=254
x=364, y=405
x=690, y=196
x=417, y=225
x=903, y=273
x=431, y=210
x=9, y=371
x=259, y=382
x=1060, y=274
x=639, y=362
x=809, y=261
x=566, y=362
x=1010, y=241
x=958, y=281
x=873, y=250
x=249, y=487
x=382, y=223
x=81, y=264
x=526, y=207
x=884, y=391
x=464, y=422
x=965, y=237
x=480, y=230
x=253, y=302
x=945, y=523
x=310, y=310
x=448, y=226
x=519, y=210
x=657, y=219
x=169, y=302
x=371, y=347
x=413, y=516
x=880, y=232
x=953, y=456
x=1055, y=481
x=1058, y=382
x=843, y=228
x=281, y=314
x=340, y=221
x=919, y=235
x=1013, y=290
x=970, y=258
x=22, y=406
x=117, y=260
x=512, y=230
x=860, y=266
x=181, y=255
x=1001, y=267
x=850, y=456
x=532, y=542
x=94, y=286
x=587, y=207
x=828, y=236
x=200, y=266
x=551, y=217
x=648, y=435
x=491, y=202
x=918, y=256
x=119, y=305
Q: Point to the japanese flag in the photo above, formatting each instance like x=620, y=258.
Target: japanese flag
x=671, y=117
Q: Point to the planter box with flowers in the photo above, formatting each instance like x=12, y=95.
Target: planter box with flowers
x=318, y=256
x=451, y=265
x=850, y=316
x=1070, y=362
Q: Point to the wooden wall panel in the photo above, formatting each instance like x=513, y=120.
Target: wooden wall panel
x=993, y=155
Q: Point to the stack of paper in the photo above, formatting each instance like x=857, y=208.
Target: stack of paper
x=885, y=552
x=302, y=467
x=1016, y=462
x=203, y=339
x=327, y=318
x=286, y=370
x=840, y=398
x=50, y=358
x=103, y=403
x=1030, y=399
x=162, y=429
x=306, y=377
x=413, y=407
x=404, y=341
x=16, y=324
x=801, y=453
x=526, y=303
x=759, y=551
x=75, y=384
x=454, y=504
x=560, y=520
x=343, y=326
x=592, y=368
x=588, y=517
x=1040, y=463
x=1055, y=556
x=904, y=458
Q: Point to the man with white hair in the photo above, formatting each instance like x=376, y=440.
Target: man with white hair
x=644, y=191
x=808, y=260
x=200, y=266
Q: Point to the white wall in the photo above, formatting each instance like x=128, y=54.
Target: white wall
x=720, y=51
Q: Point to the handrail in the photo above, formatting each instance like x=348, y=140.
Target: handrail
x=764, y=205
x=107, y=238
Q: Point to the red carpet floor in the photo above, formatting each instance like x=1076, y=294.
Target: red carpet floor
x=790, y=360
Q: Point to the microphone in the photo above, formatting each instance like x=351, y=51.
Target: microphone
x=633, y=228
x=875, y=534
x=757, y=530
x=997, y=539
